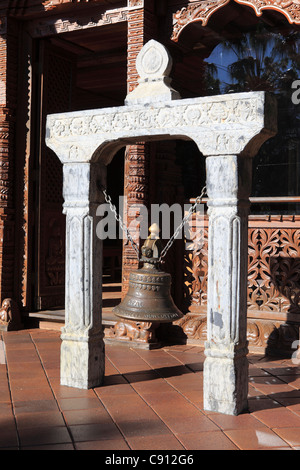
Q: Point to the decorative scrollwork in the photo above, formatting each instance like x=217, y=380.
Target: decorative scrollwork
x=203, y=10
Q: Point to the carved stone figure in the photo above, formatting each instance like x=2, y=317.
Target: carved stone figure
x=10, y=318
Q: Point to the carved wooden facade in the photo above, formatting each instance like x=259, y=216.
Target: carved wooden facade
x=273, y=284
x=274, y=246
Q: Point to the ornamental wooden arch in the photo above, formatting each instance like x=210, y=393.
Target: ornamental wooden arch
x=203, y=10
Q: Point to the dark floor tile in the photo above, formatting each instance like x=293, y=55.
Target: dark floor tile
x=105, y=444
x=39, y=419
x=33, y=406
x=95, y=432
x=44, y=435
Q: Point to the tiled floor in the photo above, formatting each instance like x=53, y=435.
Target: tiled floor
x=150, y=400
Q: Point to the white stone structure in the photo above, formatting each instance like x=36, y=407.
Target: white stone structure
x=228, y=131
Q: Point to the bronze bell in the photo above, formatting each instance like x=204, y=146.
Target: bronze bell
x=149, y=294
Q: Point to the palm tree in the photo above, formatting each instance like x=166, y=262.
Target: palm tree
x=266, y=61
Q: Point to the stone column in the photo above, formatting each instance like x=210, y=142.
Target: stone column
x=226, y=364
x=82, y=350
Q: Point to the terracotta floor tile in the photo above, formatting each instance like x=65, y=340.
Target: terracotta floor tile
x=28, y=355
x=180, y=409
x=8, y=436
x=116, y=389
x=34, y=406
x=5, y=409
x=22, y=394
x=213, y=440
x=106, y=444
x=89, y=416
x=39, y=436
x=39, y=419
x=169, y=399
x=49, y=447
x=254, y=439
x=155, y=405
x=279, y=418
x=262, y=403
x=91, y=432
x=269, y=385
x=82, y=403
x=20, y=383
x=256, y=372
x=132, y=427
x=243, y=421
x=279, y=371
x=187, y=424
x=289, y=434
x=292, y=380
x=4, y=393
x=160, y=442
x=61, y=391
x=292, y=403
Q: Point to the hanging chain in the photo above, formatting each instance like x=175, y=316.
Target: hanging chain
x=184, y=221
x=122, y=225
x=174, y=236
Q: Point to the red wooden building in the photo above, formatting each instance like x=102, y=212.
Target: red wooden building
x=66, y=55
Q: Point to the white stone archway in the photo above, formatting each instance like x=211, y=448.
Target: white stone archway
x=228, y=130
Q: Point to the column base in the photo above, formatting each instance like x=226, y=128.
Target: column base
x=225, y=387
x=82, y=362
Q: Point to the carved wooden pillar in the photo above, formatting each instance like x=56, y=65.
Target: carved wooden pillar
x=8, y=98
x=141, y=28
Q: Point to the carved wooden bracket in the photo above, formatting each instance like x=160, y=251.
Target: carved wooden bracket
x=202, y=11
x=198, y=11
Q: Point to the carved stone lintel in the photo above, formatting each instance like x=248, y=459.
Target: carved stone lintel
x=10, y=317
x=212, y=122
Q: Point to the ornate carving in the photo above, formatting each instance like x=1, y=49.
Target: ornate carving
x=289, y=8
x=58, y=26
x=192, y=327
x=270, y=336
x=202, y=11
x=213, y=122
x=274, y=270
x=273, y=285
x=50, y=4
x=136, y=3
x=143, y=332
x=198, y=11
x=188, y=114
x=196, y=272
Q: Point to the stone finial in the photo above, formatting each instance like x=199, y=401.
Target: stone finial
x=153, y=65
